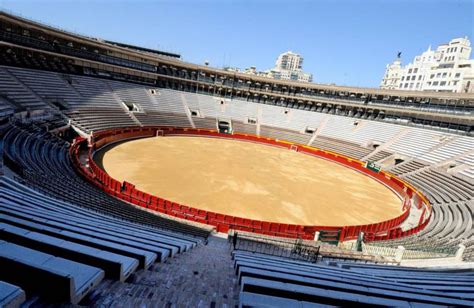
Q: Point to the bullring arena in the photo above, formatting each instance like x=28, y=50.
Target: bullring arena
x=132, y=178
x=251, y=180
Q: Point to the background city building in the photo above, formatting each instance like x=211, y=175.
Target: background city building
x=288, y=66
x=446, y=69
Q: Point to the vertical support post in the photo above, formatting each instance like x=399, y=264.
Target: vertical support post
x=460, y=252
x=316, y=236
x=399, y=254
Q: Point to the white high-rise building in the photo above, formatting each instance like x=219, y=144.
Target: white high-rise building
x=448, y=69
x=289, y=66
x=289, y=61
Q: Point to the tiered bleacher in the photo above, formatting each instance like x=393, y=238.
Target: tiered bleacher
x=440, y=164
x=58, y=227
x=267, y=280
x=11, y=295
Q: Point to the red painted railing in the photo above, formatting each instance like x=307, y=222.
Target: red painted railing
x=388, y=229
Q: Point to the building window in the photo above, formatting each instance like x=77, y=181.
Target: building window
x=445, y=74
x=457, y=75
x=435, y=83
x=409, y=71
x=415, y=70
x=432, y=76
x=442, y=83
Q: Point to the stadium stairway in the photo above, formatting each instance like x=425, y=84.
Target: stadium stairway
x=203, y=278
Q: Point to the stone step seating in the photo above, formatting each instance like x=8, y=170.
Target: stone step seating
x=18, y=93
x=208, y=106
x=115, y=247
x=52, y=123
x=98, y=109
x=48, y=85
x=462, y=189
x=467, y=160
x=203, y=278
x=285, y=118
x=92, y=221
x=54, y=278
x=168, y=101
x=406, y=167
x=442, y=186
x=163, y=247
x=132, y=93
x=339, y=146
x=11, y=295
x=451, y=224
x=321, y=284
x=6, y=108
x=94, y=91
x=145, y=255
x=452, y=281
x=242, y=128
x=455, y=147
x=206, y=123
x=283, y=134
x=380, y=156
x=45, y=165
x=239, y=110
x=416, y=143
x=359, y=131
x=97, y=119
x=153, y=118
x=115, y=266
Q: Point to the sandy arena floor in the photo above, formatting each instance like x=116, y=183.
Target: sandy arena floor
x=250, y=180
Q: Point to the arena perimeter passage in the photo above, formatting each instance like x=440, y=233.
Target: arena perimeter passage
x=250, y=180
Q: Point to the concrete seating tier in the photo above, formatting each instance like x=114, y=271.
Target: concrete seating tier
x=66, y=280
x=44, y=163
x=285, y=282
x=284, y=134
x=11, y=295
x=339, y=146
x=70, y=241
x=407, y=166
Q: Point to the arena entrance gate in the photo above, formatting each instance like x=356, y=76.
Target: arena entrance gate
x=160, y=133
x=224, y=126
x=330, y=237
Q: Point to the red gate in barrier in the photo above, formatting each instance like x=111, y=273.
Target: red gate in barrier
x=388, y=229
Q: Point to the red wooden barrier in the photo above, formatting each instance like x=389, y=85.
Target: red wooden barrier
x=128, y=192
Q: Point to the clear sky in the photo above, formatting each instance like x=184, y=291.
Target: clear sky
x=343, y=42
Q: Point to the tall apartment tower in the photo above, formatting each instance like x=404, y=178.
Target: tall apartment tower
x=289, y=66
x=289, y=61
